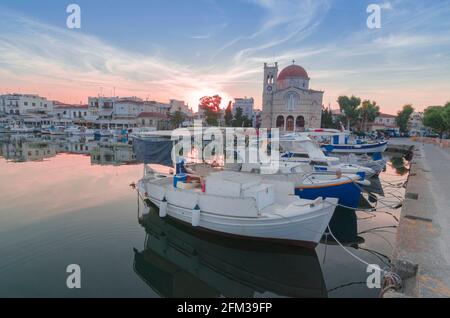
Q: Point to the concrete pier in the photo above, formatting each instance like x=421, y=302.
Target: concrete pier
x=422, y=252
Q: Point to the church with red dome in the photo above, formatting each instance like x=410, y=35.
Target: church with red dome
x=288, y=102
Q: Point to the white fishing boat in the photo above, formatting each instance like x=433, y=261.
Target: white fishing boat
x=298, y=148
x=144, y=133
x=79, y=131
x=21, y=129
x=239, y=205
x=376, y=162
x=57, y=130
x=3, y=129
x=308, y=184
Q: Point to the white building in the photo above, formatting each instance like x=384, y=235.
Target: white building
x=384, y=122
x=180, y=106
x=415, y=124
x=21, y=104
x=70, y=111
x=246, y=104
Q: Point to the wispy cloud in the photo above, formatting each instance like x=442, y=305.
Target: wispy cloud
x=200, y=37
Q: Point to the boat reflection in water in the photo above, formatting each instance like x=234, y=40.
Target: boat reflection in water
x=179, y=262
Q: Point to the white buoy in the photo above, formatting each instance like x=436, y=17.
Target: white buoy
x=196, y=216
x=163, y=208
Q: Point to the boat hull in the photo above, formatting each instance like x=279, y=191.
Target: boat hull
x=301, y=229
x=348, y=193
x=360, y=149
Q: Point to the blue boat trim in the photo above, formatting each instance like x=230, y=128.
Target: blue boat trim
x=348, y=193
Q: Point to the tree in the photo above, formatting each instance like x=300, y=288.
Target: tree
x=241, y=120
x=369, y=111
x=211, y=117
x=229, y=115
x=177, y=118
x=211, y=102
x=211, y=106
x=349, y=107
x=403, y=117
x=446, y=115
x=327, y=119
x=434, y=117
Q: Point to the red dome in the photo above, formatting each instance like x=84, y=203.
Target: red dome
x=293, y=71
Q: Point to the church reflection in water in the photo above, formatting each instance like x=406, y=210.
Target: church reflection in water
x=180, y=262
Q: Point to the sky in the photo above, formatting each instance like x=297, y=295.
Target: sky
x=186, y=49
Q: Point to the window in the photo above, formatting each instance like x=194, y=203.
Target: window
x=280, y=122
x=300, y=123
x=292, y=101
x=319, y=163
x=34, y=104
x=290, y=123
x=25, y=103
x=300, y=155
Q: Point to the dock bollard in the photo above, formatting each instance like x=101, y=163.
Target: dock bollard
x=196, y=216
x=163, y=208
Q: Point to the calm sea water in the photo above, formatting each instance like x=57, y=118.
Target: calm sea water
x=68, y=202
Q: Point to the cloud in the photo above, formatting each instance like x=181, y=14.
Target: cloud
x=283, y=21
x=411, y=48
x=200, y=37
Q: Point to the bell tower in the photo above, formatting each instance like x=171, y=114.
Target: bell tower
x=269, y=87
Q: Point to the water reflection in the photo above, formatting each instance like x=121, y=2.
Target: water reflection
x=179, y=262
x=105, y=151
x=400, y=165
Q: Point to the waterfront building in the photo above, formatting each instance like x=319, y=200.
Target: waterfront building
x=415, y=124
x=385, y=122
x=246, y=105
x=21, y=104
x=70, y=111
x=155, y=120
x=181, y=106
x=100, y=107
x=288, y=102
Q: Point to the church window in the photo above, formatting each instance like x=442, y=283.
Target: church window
x=280, y=122
x=300, y=122
x=292, y=101
x=290, y=123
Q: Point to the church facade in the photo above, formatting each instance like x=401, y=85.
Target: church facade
x=288, y=102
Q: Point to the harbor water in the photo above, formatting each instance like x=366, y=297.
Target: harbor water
x=69, y=201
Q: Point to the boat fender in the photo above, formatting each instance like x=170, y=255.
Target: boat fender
x=196, y=216
x=163, y=208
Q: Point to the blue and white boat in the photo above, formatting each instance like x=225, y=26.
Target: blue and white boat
x=340, y=142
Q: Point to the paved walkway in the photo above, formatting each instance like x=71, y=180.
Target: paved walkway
x=424, y=233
